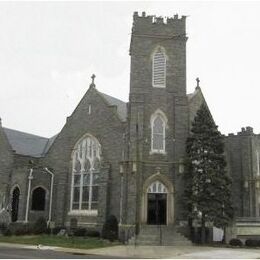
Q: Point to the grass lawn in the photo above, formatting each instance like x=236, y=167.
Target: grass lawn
x=52, y=240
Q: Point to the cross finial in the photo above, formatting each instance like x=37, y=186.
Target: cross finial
x=93, y=80
x=198, y=82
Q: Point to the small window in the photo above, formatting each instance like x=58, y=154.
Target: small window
x=38, y=199
x=159, y=69
x=89, y=109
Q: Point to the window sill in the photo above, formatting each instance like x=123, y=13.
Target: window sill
x=159, y=86
x=158, y=152
x=83, y=213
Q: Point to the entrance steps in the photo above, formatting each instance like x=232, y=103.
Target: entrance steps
x=159, y=235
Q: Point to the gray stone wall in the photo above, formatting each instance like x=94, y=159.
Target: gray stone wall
x=242, y=166
x=104, y=124
x=6, y=164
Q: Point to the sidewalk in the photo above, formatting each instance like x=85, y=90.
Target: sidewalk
x=185, y=252
x=129, y=251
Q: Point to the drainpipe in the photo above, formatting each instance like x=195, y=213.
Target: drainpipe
x=52, y=181
x=30, y=177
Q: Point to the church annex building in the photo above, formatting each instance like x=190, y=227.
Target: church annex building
x=126, y=159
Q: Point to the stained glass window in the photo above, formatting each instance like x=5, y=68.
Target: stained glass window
x=86, y=167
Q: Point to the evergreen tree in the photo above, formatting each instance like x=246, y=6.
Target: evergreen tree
x=208, y=187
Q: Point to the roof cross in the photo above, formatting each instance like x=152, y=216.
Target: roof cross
x=198, y=82
x=93, y=78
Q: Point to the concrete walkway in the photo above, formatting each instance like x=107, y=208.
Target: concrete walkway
x=183, y=252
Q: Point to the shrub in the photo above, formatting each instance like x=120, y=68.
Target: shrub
x=22, y=230
x=252, y=243
x=3, y=228
x=40, y=226
x=7, y=232
x=235, y=242
x=110, y=228
x=93, y=233
x=79, y=232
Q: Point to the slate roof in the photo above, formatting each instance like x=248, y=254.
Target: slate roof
x=49, y=143
x=121, y=105
x=27, y=144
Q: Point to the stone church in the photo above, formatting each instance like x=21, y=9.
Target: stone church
x=126, y=159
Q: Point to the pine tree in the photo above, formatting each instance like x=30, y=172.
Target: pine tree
x=208, y=187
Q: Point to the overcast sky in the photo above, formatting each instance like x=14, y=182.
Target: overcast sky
x=48, y=52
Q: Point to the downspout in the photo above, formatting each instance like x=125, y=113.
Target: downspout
x=50, y=207
x=30, y=177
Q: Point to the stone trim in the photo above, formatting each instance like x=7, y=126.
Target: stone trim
x=83, y=213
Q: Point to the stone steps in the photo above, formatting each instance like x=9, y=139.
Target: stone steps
x=156, y=235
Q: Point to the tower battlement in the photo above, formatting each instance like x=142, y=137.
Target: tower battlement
x=245, y=131
x=159, y=26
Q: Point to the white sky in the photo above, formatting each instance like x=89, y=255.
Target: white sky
x=48, y=51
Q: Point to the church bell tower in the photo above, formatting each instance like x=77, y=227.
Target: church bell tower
x=157, y=120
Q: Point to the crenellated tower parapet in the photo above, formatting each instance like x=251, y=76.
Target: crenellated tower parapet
x=245, y=131
x=158, y=26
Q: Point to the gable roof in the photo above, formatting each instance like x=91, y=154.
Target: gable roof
x=195, y=100
x=37, y=146
x=28, y=144
x=121, y=105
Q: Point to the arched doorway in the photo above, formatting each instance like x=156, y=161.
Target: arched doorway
x=157, y=207
x=15, y=203
x=157, y=204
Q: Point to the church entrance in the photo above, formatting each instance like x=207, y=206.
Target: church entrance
x=157, y=204
x=15, y=204
x=156, y=214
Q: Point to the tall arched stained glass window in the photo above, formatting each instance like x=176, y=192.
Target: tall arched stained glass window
x=86, y=167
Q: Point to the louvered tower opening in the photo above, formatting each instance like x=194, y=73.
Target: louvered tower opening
x=159, y=69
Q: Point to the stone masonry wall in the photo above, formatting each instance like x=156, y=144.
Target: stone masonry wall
x=102, y=123
x=6, y=165
x=147, y=34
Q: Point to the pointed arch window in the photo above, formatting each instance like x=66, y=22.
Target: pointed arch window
x=86, y=168
x=158, y=125
x=159, y=68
